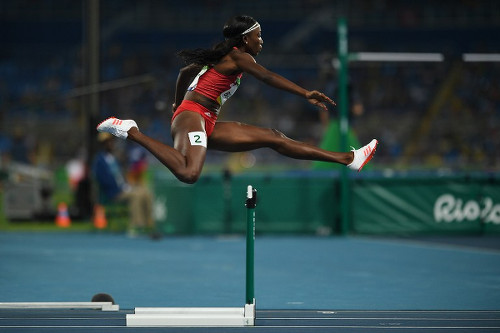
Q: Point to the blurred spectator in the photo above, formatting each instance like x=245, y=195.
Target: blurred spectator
x=83, y=205
x=113, y=188
x=75, y=168
x=136, y=174
x=80, y=183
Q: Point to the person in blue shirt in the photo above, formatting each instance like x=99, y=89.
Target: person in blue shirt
x=113, y=187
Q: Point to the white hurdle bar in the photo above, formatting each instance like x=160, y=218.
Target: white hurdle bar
x=206, y=316
x=481, y=57
x=396, y=56
x=192, y=317
x=103, y=306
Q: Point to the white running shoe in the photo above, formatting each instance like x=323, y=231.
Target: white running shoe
x=363, y=155
x=117, y=127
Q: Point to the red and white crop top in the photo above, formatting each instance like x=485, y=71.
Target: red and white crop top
x=214, y=85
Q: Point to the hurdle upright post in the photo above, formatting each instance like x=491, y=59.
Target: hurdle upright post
x=250, y=203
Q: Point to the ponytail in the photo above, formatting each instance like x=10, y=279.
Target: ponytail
x=233, y=32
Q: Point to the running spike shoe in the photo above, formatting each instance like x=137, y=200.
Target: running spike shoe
x=363, y=155
x=117, y=127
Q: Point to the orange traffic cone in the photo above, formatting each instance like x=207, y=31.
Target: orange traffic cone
x=100, y=221
x=62, y=218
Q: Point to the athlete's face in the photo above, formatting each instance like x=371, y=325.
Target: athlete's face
x=254, y=41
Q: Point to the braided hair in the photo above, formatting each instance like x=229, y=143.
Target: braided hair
x=233, y=34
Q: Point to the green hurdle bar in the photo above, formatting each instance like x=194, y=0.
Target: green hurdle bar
x=205, y=316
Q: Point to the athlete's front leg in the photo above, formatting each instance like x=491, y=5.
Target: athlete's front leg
x=236, y=137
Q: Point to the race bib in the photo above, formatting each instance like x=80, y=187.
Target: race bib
x=198, y=138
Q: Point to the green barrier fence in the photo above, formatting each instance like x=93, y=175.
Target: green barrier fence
x=426, y=205
x=290, y=204
x=308, y=203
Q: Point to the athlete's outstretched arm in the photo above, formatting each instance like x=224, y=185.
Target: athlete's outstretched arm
x=247, y=63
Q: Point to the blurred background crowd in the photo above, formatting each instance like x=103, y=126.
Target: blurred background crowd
x=428, y=116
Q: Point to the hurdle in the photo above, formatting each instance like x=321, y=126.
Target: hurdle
x=206, y=316
x=103, y=306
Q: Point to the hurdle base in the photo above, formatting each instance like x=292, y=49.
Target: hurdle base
x=103, y=306
x=193, y=317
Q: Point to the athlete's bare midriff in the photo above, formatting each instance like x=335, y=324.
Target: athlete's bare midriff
x=203, y=100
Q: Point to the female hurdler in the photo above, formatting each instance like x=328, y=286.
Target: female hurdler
x=209, y=79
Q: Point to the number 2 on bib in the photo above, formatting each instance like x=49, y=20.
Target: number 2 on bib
x=198, y=139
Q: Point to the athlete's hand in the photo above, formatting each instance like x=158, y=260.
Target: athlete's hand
x=319, y=99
